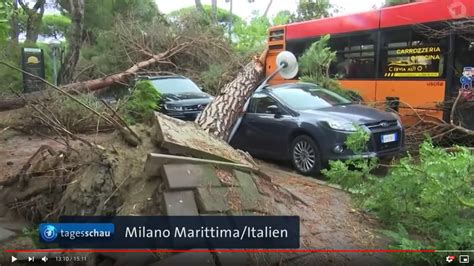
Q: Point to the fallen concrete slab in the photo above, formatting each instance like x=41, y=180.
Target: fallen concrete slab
x=155, y=162
x=189, y=176
x=180, y=203
x=187, y=138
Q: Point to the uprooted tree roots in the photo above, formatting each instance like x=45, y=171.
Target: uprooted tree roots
x=40, y=184
x=80, y=180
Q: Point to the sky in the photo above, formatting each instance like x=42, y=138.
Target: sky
x=244, y=9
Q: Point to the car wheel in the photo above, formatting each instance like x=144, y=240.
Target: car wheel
x=305, y=155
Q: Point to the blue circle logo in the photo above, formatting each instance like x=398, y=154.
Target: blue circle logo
x=49, y=233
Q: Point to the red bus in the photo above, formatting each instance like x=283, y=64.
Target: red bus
x=385, y=54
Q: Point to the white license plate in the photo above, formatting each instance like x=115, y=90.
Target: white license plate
x=389, y=138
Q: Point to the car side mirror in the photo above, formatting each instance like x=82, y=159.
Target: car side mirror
x=274, y=109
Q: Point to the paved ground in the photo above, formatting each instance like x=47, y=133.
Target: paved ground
x=329, y=221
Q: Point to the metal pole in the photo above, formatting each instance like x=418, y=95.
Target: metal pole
x=55, y=70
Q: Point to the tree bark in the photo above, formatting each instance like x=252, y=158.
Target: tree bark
x=214, y=11
x=123, y=77
x=200, y=8
x=220, y=115
x=13, y=102
x=75, y=42
x=268, y=8
x=231, y=15
x=33, y=22
x=15, y=30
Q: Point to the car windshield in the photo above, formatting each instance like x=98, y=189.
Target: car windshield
x=175, y=86
x=309, y=98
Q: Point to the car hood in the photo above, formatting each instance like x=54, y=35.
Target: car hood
x=354, y=113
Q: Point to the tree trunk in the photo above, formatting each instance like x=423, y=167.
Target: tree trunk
x=214, y=11
x=268, y=8
x=231, y=19
x=13, y=102
x=33, y=22
x=15, y=29
x=220, y=115
x=75, y=42
x=200, y=8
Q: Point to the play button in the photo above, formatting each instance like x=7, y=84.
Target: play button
x=14, y=259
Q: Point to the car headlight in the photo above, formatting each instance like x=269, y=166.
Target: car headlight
x=339, y=125
x=173, y=107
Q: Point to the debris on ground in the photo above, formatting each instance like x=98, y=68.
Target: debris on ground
x=178, y=169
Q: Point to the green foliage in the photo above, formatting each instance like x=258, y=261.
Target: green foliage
x=397, y=2
x=212, y=78
x=357, y=141
x=314, y=67
x=33, y=234
x=55, y=26
x=425, y=202
x=316, y=59
x=312, y=9
x=68, y=112
x=250, y=37
x=75, y=117
x=342, y=173
x=142, y=103
x=282, y=17
x=223, y=16
x=10, y=78
x=5, y=10
x=103, y=55
x=101, y=14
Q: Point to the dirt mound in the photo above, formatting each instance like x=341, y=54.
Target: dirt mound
x=81, y=180
x=110, y=178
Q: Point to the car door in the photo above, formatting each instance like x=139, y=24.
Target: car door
x=263, y=133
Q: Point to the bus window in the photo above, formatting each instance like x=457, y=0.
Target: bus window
x=408, y=54
x=464, y=56
x=355, y=56
x=298, y=47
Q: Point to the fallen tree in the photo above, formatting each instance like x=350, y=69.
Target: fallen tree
x=219, y=116
x=100, y=83
x=445, y=134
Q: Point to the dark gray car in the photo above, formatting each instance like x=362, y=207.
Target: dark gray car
x=308, y=125
x=181, y=97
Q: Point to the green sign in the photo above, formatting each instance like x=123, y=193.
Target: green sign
x=32, y=61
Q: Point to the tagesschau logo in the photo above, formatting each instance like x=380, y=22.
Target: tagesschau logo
x=60, y=232
x=49, y=233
